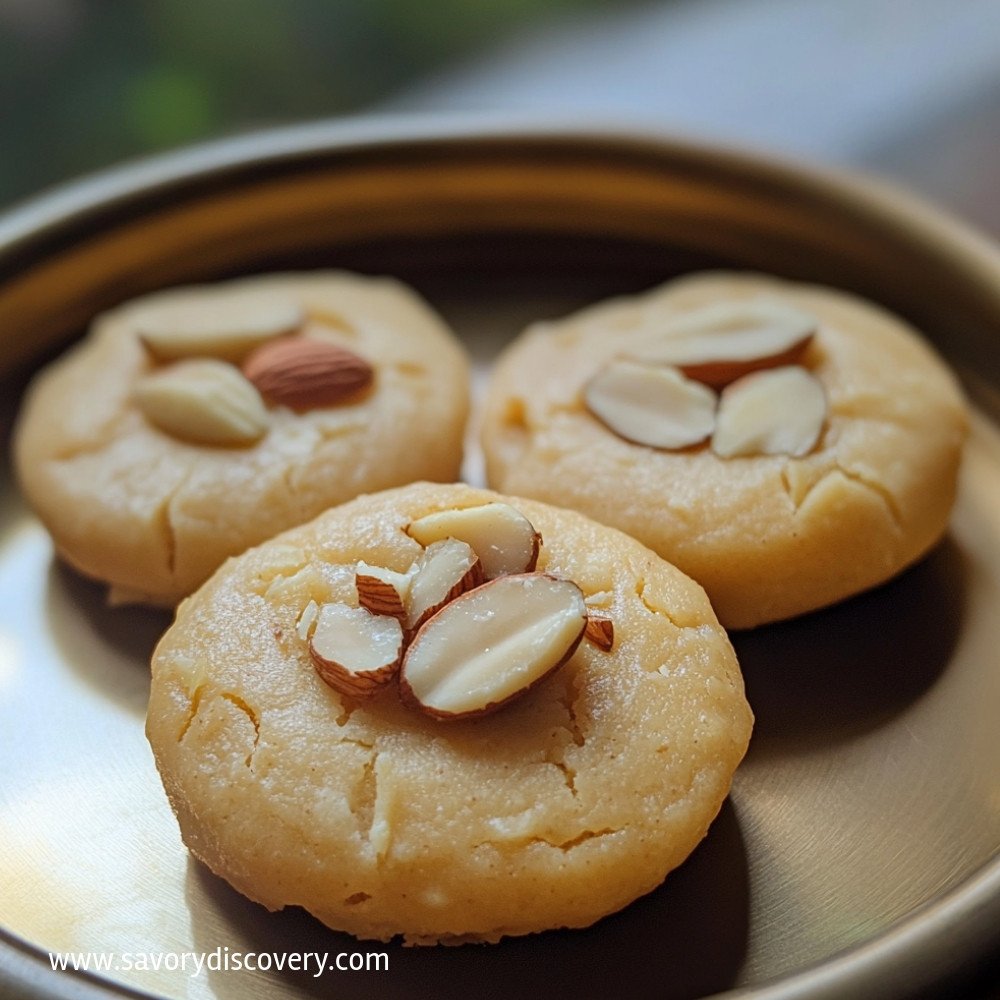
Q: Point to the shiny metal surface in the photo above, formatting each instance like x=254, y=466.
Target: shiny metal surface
x=857, y=854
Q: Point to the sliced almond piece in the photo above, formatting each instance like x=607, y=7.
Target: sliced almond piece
x=221, y=326
x=204, y=401
x=305, y=373
x=777, y=412
x=658, y=407
x=492, y=644
x=600, y=631
x=444, y=570
x=382, y=591
x=502, y=537
x=724, y=341
x=354, y=651
x=304, y=626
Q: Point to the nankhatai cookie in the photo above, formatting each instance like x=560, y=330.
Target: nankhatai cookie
x=786, y=445
x=446, y=714
x=193, y=423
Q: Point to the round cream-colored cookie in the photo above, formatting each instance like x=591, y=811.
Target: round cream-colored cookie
x=380, y=820
x=769, y=536
x=153, y=513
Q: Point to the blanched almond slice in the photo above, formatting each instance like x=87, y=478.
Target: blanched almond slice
x=354, y=651
x=777, y=412
x=719, y=343
x=657, y=407
x=600, y=631
x=444, y=570
x=204, y=401
x=228, y=326
x=492, y=644
x=382, y=591
x=500, y=535
x=304, y=626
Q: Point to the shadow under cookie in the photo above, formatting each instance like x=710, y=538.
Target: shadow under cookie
x=685, y=939
x=107, y=647
x=840, y=672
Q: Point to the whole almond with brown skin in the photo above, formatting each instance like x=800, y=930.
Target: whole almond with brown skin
x=304, y=373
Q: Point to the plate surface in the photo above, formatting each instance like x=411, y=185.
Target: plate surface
x=857, y=853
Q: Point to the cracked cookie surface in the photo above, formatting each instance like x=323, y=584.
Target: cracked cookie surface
x=768, y=536
x=553, y=812
x=154, y=515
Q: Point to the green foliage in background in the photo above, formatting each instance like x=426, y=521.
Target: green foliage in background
x=84, y=83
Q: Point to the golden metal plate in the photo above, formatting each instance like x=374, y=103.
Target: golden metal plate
x=857, y=855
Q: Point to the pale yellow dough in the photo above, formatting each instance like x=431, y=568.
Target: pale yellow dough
x=556, y=810
x=769, y=537
x=153, y=516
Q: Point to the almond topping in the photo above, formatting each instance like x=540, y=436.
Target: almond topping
x=657, y=407
x=304, y=626
x=600, y=631
x=382, y=591
x=501, y=536
x=304, y=373
x=354, y=651
x=776, y=412
x=722, y=342
x=221, y=326
x=204, y=401
x=492, y=644
x=443, y=571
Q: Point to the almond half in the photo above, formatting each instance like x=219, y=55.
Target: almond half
x=354, y=651
x=502, y=537
x=204, y=401
x=305, y=373
x=443, y=571
x=776, y=412
x=719, y=343
x=658, y=407
x=382, y=591
x=492, y=644
x=220, y=326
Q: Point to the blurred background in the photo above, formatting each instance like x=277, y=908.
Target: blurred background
x=909, y=89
